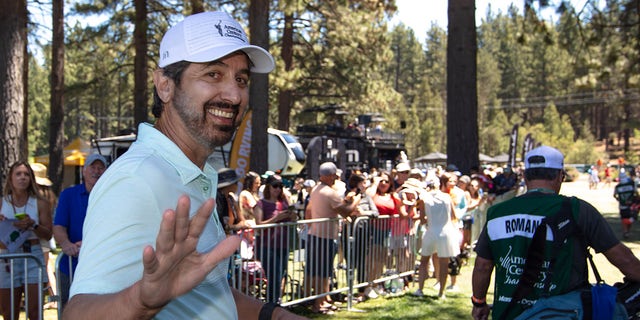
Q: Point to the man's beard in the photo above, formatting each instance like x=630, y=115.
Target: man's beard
x=210, y=135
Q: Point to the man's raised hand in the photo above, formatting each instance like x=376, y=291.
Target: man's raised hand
x=175, y=267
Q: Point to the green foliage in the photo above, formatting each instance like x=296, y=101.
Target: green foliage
x=38, y=109
x=344, y=52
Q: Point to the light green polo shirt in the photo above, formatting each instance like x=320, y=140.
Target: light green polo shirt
x=124, y=215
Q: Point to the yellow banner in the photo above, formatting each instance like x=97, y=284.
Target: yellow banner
x=241, y=147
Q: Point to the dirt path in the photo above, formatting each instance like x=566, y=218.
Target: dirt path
x=602, y=198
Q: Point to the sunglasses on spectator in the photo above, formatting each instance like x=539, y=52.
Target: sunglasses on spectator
x=277, y=185
x=384, y=181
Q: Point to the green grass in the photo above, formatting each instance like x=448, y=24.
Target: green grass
x=407, y=306
x=457, y=305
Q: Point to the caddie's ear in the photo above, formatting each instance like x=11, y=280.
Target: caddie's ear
x=164, y=85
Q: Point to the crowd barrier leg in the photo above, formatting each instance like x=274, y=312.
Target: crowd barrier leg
x=59, y=284
x=365, y=261
x=11, y=262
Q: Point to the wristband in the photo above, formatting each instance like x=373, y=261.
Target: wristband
x=478, y=303
x=267, y=310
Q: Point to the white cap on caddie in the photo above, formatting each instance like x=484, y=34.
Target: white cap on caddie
x=544, y=157
x=209, y=36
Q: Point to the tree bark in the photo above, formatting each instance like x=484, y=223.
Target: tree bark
x=196, y=6
x=141, y=95
x=13, y=34
x=56, y=122
x=259, y=90
x=285, y=97
x=462, y=96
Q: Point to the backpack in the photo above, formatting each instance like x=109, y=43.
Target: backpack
x=578, y=304
x=629, y=296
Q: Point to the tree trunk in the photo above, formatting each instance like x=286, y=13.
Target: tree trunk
x=140, y=92
x=462, y=96
x=196, y=6
x=56, y=122
x=259, y=90
x=285, y=97
x=13, y=34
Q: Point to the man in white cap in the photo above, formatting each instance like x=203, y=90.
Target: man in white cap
x=153, y=247
x=402, y=174
x=69, y=218
x=509, y=231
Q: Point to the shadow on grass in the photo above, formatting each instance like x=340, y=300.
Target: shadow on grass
x=614, y=221
x=405, y=306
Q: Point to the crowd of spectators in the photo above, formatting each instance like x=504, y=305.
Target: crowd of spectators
x=442, y=207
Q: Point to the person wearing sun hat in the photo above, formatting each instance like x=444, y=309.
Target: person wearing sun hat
x=227, y=202
x=44, y=186
x=40, y=171
x=152, y=210
x=505, y=239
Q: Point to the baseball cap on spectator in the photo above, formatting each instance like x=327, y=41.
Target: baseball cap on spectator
x=464, y=179
x=267, y=174
x=93, y=158
x=544, y=157
x=209, y=36
x=227, y=177
x=274, y=180
x=403, y=167
x=309, y=183
x=453, y=169
x=40, y=171
x=328, y=169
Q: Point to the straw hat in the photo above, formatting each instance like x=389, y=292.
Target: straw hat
x=40, y=171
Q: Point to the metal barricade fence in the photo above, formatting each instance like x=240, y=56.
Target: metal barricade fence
x=59, y=284
x=10, y=264
x=273, y=262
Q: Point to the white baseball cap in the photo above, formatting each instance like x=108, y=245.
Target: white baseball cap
x=209, y=36
x=544, y=157
x=403, y=167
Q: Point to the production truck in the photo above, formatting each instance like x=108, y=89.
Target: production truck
x=329, y=133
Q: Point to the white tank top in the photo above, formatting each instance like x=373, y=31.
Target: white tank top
x=31, y=209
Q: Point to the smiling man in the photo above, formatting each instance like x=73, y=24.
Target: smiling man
x=151, y=246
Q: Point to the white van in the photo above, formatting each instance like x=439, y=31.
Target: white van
x=285, y=152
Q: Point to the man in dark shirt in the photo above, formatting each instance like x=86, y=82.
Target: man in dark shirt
x=506, y=237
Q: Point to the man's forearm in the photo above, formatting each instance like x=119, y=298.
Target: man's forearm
x=624, y=259
x=248, y=307
x=481, y=277
x=60, y=234
x=125, y=304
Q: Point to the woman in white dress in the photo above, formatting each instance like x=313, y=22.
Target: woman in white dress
x=441, y=238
